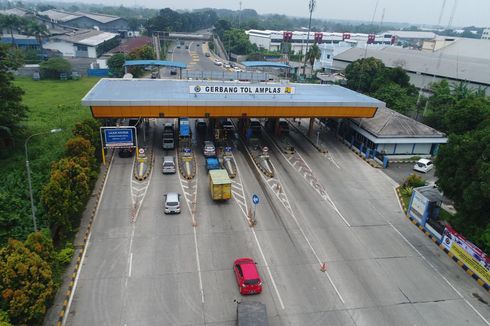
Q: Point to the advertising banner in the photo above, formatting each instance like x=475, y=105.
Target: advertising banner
x=468, y=253
x=239, y=89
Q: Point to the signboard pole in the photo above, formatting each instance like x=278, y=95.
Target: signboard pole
x=102, y=148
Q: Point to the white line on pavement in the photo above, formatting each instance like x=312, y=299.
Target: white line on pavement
x=86, y=246
x=130, y=264
x=198, y=264
x=260, y=247
x=439, y=273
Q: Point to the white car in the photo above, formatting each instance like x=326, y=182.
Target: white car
x=171, y=203
x=423, y=165
x=227, y=65
x=236, y=69
x=218, y=63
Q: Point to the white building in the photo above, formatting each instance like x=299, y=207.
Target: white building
x=82, y=43
x=486, y=34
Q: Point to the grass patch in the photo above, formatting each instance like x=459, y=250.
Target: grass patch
x=52, y=104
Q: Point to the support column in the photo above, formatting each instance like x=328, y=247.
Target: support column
x=310, y=127
x=277, y=131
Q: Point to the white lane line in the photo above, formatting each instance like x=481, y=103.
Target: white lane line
x=439, y=273
x=259, y=245
x=198, y=263
x=131, y=182
x=290, y=210
x=130, y=264
x=86, y=246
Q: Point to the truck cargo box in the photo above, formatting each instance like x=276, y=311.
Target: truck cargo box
x=219, y=184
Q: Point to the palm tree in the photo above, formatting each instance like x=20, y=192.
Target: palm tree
x=313, y=54
x=12, y=22
x=38, y=30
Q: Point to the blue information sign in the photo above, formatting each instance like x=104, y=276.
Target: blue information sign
x=119, y=137
x=255, y=199
x=227, y=149
x=187, y=150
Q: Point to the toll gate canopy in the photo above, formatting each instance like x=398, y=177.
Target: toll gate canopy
x=159, y=98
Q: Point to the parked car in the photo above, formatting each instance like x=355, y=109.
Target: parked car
x=207, y=54
x=171, y=203
x=217, y=62
x=227, y=65
x=209, y=149
x=173, y=71
x=247, y=276
x=423, y=165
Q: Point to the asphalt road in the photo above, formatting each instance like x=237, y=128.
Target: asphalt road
x=146, y=268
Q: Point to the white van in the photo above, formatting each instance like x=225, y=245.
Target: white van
x=423, y=165
x=171, y=203
x=168, y=165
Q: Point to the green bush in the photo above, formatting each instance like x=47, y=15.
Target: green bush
x=65, y=255
x=406, y=191
x=414, y=181
x=53, y=67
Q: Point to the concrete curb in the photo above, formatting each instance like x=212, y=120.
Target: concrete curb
x=270, y=175
x=402, y=161
x=468, y=270
x=180, y=165
x=68, y=293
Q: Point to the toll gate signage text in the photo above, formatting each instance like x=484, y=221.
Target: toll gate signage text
x=119, y=137
x=239, y=89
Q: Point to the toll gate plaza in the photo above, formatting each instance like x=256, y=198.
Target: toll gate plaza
x=157, y=98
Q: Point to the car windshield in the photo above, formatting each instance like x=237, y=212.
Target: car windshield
x=168, y=141
x=252, y=282
x=172, y=203
x=421, y=165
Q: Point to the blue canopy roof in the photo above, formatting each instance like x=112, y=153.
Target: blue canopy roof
x=258, y=64
x=155, y=63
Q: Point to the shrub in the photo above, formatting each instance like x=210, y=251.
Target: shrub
x=406, y=191
x=65, y=255
x=414, y=181
x=53, y=67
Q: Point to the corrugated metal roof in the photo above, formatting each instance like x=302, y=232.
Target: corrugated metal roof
x=155, y=63
x=89, y=37
x=154, y=92
x=101, y=18
x=429, y=63
x=59, y=15
x=258, y=64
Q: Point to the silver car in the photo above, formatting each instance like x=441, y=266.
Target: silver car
x=168, y=165
x=171, y=203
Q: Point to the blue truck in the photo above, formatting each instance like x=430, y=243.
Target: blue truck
x=212, y=163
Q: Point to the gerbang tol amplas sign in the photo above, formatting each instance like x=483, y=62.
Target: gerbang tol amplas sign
x=241, y=89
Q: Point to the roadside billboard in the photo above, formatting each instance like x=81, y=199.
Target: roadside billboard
x=117, y=137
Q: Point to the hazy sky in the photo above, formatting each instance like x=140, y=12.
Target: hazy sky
x=468, y=12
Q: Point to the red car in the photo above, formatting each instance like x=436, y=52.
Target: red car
x=247, y=276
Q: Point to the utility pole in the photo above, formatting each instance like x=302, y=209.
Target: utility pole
x=311, y=8
x=240, y=15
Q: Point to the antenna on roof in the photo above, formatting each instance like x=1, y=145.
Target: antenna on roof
x=450, y=23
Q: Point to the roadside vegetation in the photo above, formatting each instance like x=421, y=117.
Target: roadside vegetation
x=463, y=164
x=64, y=168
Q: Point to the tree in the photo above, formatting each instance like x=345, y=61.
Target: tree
x=313, y=54
x=396, y=98
x=463, y=170
x=466, y=115
x=65, y=194
x=89, y=129
x=4, y=318
x=41, y=243
x=37, y=30
x=236, y=41
x=116, y=64
x=12, y=111
x=26, y=284
x=81, y=149
x=362, y=73
x=53, y=67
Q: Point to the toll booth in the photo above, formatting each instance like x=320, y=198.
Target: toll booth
x=424, y=207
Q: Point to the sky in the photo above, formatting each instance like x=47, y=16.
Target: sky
x=467, y=12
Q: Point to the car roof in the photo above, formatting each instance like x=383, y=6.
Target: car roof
x=249, y=269
x=168, y=158
x=424, y=160
x=172, y=196
x=208, y=143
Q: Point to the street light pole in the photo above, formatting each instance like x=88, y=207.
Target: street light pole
x=33, y=209
x=311, y=8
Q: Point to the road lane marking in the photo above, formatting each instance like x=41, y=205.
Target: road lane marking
x=398, y=201
x=70, y=300
x=244, y=211
x=439, y=273
x=130, y=264
x=194, y=226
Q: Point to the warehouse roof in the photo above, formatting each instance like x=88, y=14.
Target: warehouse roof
x=440, y=64
x=90, y=37
x=65, y=16
x=154, y=92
